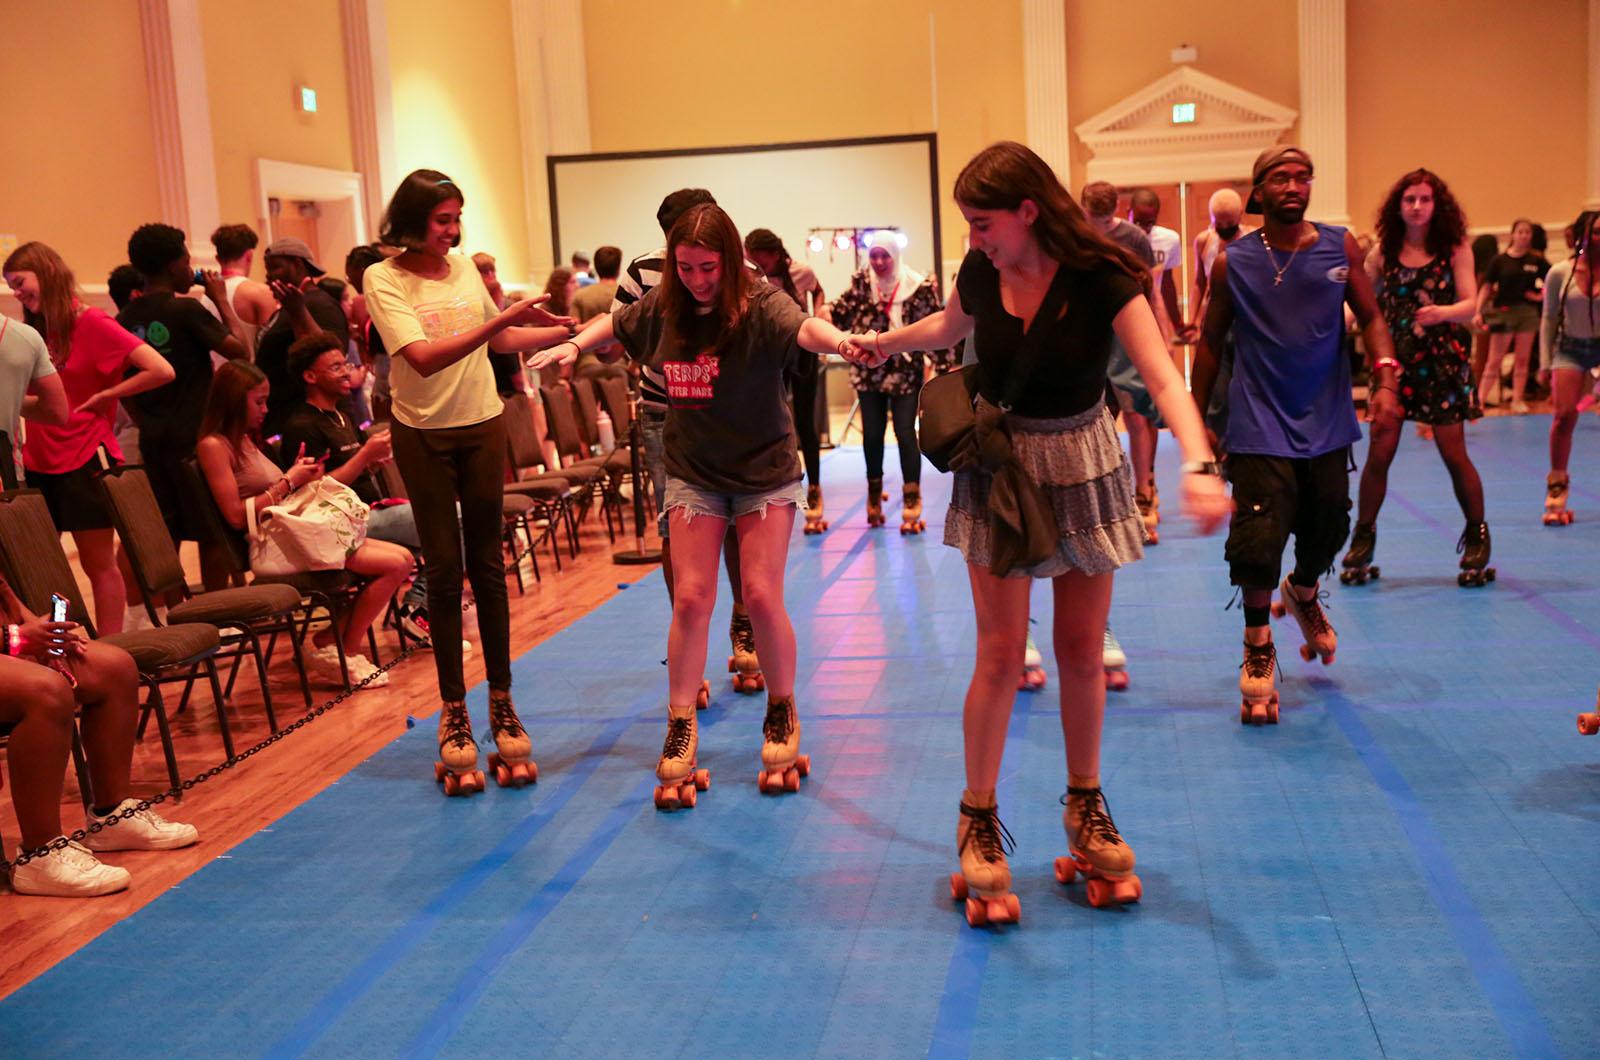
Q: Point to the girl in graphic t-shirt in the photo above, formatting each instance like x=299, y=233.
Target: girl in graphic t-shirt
x=724, y=342
x=438, y=323
x=1031, y=241
x=99, y=364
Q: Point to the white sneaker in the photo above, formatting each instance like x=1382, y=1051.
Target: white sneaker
x=1520, y=408
x=323, y=663
x=361, y=668
x=146, y=830
x=71, y=872
x=1112, y=657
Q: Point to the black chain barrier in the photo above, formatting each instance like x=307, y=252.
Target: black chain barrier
x=61, y=842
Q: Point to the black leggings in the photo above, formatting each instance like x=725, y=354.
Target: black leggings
x=803, y=392
x=441, y=468
x=876, y=408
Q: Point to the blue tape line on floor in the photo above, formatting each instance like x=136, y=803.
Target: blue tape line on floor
x=1497, y=978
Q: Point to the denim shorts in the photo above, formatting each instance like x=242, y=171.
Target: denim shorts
x=695, y=500
x=1582, y=354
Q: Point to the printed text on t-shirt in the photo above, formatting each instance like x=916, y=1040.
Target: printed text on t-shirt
x=691, y=383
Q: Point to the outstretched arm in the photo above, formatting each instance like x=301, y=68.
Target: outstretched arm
x=934, y=331
x=1383, y=400
x=597, y=335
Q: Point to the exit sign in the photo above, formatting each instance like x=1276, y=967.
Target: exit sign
x=1182, y=113
x=307, y=99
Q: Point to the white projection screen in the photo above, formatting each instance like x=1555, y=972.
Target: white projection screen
x=882, y=182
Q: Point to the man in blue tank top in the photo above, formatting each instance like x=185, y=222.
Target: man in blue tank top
x=1291, y=420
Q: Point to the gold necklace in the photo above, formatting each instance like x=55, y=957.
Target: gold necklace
x=1277, y=281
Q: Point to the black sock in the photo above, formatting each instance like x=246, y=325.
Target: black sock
x=1303, y=581
x=105, y=811
x=1257, y=616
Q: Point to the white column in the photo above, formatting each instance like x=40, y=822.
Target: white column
x=186, y=174
x=1323, y=106
x=1044, y=70
x=1592, y=185
x=552, y=104
x=366, y=66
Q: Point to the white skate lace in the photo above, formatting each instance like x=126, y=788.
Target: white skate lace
x=779, y=722
x=1259, y=659
x=988, y=833
x=1096, y=819
x=1471, y=537
x=1312, y=609
x=678, y=732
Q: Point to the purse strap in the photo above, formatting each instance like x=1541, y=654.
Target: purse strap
x=1033, y=340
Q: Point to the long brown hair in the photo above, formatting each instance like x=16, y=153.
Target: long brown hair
x=59, y=296
x=765, y=239
x=556, y=288
x=225, y=413
x=709, y=228
x=1003, y=175
x=1446, y=230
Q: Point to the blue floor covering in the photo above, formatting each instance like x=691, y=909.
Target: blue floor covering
x=1406, y=866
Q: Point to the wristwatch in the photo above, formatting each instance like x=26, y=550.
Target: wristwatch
x=1201, y=467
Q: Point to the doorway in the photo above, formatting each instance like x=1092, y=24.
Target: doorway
x=321, y=207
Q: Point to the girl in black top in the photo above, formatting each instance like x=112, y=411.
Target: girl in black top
x=1028, y=238
x=1514, y=286
x=724, y=343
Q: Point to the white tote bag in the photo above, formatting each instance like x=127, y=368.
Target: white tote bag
x=316, y=527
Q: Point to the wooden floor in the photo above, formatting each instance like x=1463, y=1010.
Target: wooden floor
x=38, y=932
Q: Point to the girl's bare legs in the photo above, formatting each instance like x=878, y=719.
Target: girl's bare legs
x=1565, y=389
x=388, y=565
x=696, y=542
x=1499, y=343
x=763, y=554
x=1001, y=605
x=1082, y=603
x=1521, y=354
x=97, y=551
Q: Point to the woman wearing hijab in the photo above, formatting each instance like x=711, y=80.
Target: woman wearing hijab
x=884, y=296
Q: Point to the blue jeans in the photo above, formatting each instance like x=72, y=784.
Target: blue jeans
x=396, y=525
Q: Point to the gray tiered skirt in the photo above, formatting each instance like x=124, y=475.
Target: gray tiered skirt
x=1079, y=461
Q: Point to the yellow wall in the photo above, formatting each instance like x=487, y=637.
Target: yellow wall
x=79, y=171
x=1494, y=102
x=1115, y=49
x=256, y=56
x=703, y=73
x=455, y=108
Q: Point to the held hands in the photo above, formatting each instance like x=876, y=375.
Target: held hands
x=528, y=313
x=864, y=350
x=1206, y=501
x=560, y=355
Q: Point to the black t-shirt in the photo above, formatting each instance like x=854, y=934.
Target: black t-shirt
x=272, y=355
x=1069, y=375
x=505, y=367
x=185, y=333
x=330, y=436
x=729, y=426
x=1516, y=277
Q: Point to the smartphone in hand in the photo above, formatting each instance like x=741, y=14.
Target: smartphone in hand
x=58, y=656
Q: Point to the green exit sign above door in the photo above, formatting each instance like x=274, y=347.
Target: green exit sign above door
x=1182, y=113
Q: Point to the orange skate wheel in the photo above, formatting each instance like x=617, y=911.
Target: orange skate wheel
x=1244, y=714
x=1306, y=653
x=1327, y=660
x=502, y=775
x=803, y=764
x=1137, y=886
x=1272, y=712
x=452, y=784
x=1100, y=893
x=791, y=779
x=995, y=911
x=1589, y=724
x=958, y=887
x=659, y=797
x=1014, y=907
x=438, y=772
x=1278, y=610
x=702, y=779
x=687, y=796
x=977, y=915
x=1066, y=871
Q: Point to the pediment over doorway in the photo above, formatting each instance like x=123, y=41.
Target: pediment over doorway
x=1136, y=140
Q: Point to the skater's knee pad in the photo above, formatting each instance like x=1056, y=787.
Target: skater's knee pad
x=1256, y=538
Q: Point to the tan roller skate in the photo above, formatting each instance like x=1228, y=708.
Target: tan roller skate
x=743, y=663
x=680, y=780
x=984, y=882
x=1320, y=639
x=1095, y=849
x=782, y=764
x=911, y=510
x=512, y=759
x=815, y=523
x=1258, y=685
x=1556, y=512
x=875, y=499
x=457, y=767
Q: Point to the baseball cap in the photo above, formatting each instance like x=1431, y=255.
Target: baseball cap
x=290, y=247
x=1266, y=162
